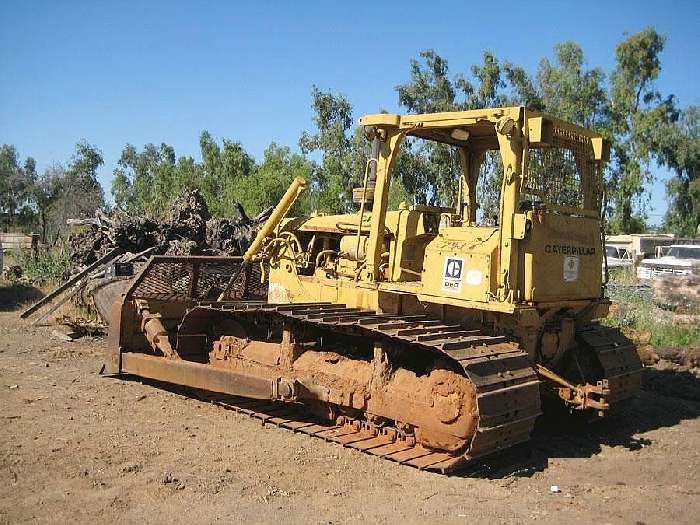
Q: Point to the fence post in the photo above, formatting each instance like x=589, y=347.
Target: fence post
x=35, y=246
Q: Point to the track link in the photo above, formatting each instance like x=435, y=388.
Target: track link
x=508, y=394
x=618, y=357
x=385, y=443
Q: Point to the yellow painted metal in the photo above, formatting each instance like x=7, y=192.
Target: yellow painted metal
x=510, y=140
x=295, y=189
x=387, y=157
x=541, y=256
x=540, y=124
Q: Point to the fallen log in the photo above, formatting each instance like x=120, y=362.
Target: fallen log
x=70, y=282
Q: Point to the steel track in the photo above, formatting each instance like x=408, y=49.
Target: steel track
x=508, y=394
x=618, y=357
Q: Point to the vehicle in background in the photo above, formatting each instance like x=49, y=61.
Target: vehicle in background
x=618, y=257
x=675, y=260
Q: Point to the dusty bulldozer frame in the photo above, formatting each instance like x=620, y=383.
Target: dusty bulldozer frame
x=419, y=334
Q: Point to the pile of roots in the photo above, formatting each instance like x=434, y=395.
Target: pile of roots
x=188, y=230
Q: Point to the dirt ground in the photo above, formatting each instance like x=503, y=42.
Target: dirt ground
x=79, y=447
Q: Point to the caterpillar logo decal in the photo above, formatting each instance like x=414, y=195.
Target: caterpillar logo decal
x=452, y=274
x=563, y=249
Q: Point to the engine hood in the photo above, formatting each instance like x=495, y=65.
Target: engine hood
x=671, y=261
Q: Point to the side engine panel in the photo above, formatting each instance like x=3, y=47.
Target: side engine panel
x=460, y=263
x=560, y=258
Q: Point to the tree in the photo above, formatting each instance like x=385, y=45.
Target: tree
x=15, y=185
x=45, y=193
x=570, y=91
x=268, y=183
x=567, y=88
x=429, y=89
x=627, y=110
x=80, y=193
x=87, y=194
x=636, y=109
x=488, y=92
x=333, y=180
x=150, y=180
x=679, y=147
x=429, y=171
x=223, y=170
x=146, y=181
x=132, y=178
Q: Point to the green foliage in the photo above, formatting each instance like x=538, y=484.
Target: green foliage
x=626, y=108
x=570, y=91
x=150, y=180
x=50, y=265
x=636, y=111
x=398, y=194
x=46, y=193
x=641, y=320
x=16, y=181
x=429, y=171
x=642, y=125
x=342, y=163
x=224, y=170
x=680, y=150
x=73, y=191
x=430, y=88
x=29, y=202
x=668, y=335
x=269, y=181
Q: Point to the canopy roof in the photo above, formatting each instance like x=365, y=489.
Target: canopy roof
x=542, y=129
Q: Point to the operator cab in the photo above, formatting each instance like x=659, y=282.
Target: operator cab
x=522, y=219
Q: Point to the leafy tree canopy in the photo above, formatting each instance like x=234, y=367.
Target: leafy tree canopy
x=643, y=125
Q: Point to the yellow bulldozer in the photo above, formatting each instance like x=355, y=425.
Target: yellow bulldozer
x=425, y=335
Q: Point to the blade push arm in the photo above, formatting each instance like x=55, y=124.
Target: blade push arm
x=296, y=188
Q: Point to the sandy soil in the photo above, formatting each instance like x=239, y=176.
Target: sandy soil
x=79, y=447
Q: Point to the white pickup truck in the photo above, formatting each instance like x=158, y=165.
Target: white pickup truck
x=677, y=259
x=618, y=257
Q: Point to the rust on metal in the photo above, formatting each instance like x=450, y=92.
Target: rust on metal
x=201, y=376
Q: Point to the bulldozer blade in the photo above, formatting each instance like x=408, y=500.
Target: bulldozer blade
x=206, y=377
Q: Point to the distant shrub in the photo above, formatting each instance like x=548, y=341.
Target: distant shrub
x=49, y=265
x=635, y=313
x=623, y=275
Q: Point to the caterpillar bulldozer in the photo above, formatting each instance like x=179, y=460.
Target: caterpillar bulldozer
x=425, y=335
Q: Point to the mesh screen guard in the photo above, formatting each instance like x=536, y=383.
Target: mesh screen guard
x=192, y=279
x=565, y=173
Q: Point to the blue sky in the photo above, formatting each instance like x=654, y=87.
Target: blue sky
x=162, y=71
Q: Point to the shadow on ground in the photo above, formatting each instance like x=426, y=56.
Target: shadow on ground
x=666, y=399
x=15, y=295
